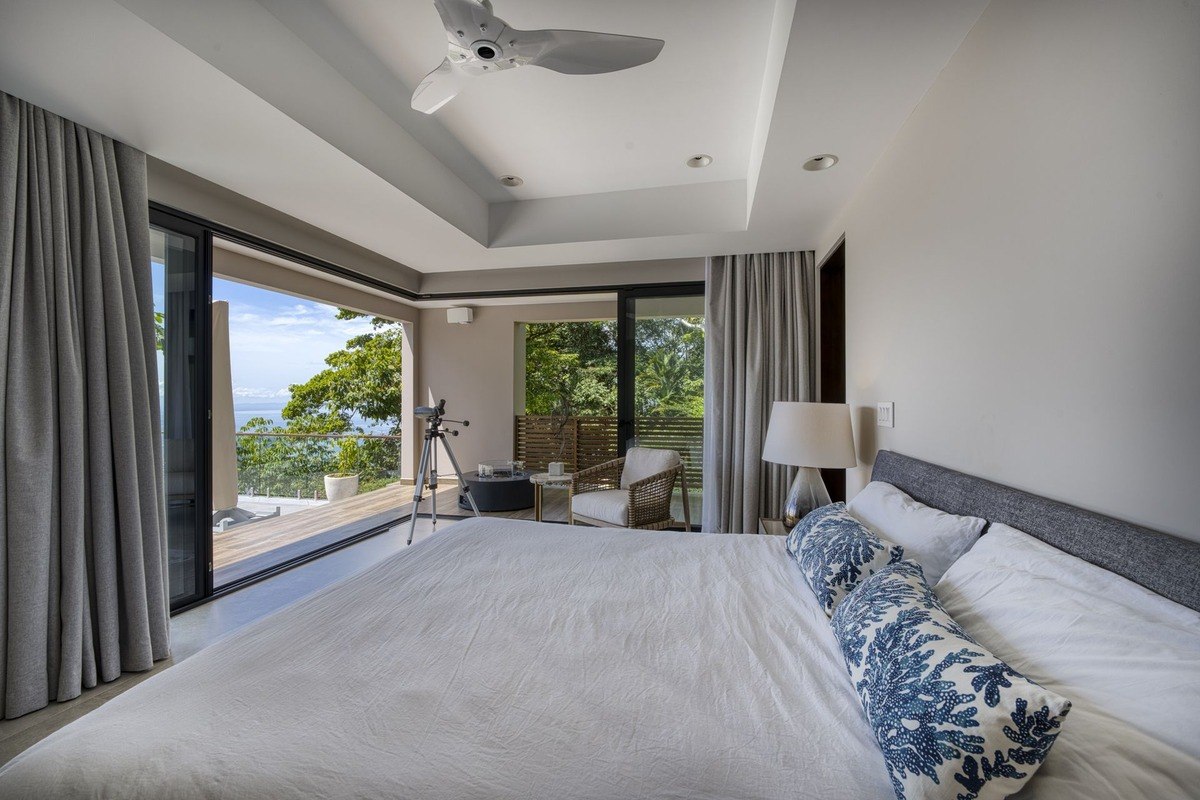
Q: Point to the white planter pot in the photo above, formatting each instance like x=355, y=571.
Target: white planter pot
x=340, y=487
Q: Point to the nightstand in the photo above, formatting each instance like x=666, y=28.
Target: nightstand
x=771, y=527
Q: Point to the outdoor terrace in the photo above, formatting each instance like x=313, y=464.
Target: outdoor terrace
x=285, y=471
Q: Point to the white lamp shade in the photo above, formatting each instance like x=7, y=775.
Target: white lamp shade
x=810, y=435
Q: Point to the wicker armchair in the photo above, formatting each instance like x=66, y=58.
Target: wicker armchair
x=598, y=499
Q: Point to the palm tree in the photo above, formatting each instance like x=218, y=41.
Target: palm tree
x=666, y=385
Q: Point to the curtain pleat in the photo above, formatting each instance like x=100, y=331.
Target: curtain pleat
x=83, y=591
x=760, y=347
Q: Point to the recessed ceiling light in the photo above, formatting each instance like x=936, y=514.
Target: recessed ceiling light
x=818, y=163
x=510, y=180
x=699, y=160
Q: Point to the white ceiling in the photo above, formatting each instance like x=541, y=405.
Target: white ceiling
x=585, y=134
x=303, y=105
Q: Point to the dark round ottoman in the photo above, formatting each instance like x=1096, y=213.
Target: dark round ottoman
x=499, y=493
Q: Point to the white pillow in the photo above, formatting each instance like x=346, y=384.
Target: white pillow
x=1127, y=657
x=643, y=462
x=929, y=536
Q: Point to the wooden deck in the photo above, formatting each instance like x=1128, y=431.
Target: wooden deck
x=250, y=548
x=253, y=547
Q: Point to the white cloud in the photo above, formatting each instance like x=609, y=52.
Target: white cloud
x=275, y=346
x=256, y=393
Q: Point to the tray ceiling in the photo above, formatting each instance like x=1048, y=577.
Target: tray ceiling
x=303, y=105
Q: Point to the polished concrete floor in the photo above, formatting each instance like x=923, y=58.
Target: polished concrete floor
x=193, y=630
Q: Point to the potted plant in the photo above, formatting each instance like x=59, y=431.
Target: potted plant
x=344, y=483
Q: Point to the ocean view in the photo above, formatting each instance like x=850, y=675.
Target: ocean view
x=243, y=412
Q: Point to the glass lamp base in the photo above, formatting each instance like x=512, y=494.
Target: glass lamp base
x=807, y=492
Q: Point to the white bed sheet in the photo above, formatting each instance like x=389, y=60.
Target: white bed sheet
x=500, y=659
x=1128, y=659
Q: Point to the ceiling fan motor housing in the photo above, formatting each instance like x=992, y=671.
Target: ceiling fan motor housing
x=487, y=51
x=481, y=43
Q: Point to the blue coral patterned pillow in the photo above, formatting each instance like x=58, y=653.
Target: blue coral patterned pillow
x=836, y=552
x=953, y=721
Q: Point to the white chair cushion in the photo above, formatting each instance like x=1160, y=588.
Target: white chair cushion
x=643, y=462
x=609, y=505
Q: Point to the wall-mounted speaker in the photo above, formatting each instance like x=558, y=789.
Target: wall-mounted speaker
x=460, y=316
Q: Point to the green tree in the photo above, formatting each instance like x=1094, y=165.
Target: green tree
x=160, y=330
x=362, y=379
x=669, y=367
x=576, y=361
x=668, y=386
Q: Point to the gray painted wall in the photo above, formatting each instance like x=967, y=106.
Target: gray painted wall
x=1023, y=264
x=266, y=275
x=187, y=192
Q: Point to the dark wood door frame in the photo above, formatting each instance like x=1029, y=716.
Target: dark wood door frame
x=831, y=314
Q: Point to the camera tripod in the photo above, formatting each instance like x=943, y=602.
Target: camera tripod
x=427, y=470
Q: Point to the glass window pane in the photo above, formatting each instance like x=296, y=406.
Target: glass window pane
x=669, y=384
x=173, y=266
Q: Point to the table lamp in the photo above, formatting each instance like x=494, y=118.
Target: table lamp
x=810, y=436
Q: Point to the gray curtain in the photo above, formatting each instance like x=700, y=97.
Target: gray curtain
x=82, y=518
x=760, y=346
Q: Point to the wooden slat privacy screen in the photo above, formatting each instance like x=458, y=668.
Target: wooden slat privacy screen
x=587, y=441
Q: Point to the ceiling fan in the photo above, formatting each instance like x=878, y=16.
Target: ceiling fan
x=481, y=43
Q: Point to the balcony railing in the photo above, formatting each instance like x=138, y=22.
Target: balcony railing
x=295, y=464
x=582, y=442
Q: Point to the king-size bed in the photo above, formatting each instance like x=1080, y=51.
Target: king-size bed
x=512, y=659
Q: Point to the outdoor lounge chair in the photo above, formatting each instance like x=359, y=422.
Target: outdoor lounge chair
x=630, y=492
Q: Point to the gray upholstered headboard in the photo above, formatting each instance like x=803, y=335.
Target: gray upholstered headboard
x=1162, y=563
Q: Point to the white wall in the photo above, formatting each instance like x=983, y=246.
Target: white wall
x=474, y=368
x=1023, y=264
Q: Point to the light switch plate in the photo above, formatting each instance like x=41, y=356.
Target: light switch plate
x=885, y=415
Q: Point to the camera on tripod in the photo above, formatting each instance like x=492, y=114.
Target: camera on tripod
x=433, y=416
x=427, y=468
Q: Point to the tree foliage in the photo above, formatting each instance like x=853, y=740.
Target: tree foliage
x=576, y=363
x=571, y=361
x=669, y=367
x=362, y=381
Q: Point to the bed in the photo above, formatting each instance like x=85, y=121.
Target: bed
x=513, y=659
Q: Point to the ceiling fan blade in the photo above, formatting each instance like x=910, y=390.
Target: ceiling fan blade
x=473, y=18
x=438, y=87
x=583, y=52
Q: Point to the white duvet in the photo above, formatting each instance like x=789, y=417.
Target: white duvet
x=500, y=659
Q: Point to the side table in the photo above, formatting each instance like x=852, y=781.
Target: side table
x=542, y=480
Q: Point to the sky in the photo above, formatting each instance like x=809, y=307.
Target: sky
x=276, y=340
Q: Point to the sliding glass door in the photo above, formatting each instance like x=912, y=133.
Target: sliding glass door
x=661, y=379
x=306, y=423
x=177, y=266
x=280, y=413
